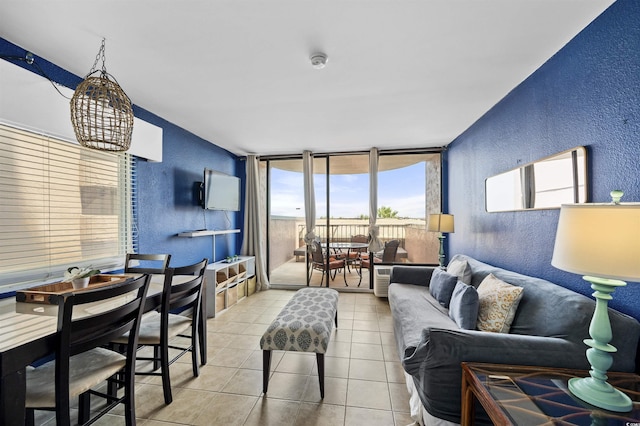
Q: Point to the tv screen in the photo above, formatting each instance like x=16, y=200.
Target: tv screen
x=221, y=191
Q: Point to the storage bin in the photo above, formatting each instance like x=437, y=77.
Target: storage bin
x=220, y=301
x=221, y=278
x=242, y=289
x=251, y=286
x=232, y=296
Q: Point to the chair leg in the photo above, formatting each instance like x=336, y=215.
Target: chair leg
x=129, y=398
x=194, y=354
x=30, y=417
x=84, y=407
x=157, y=355
x=166, y=380
x=202, y=335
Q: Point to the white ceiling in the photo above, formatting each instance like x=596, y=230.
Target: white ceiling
x=401, y=74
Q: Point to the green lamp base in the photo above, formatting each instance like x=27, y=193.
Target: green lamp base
x=593, y=392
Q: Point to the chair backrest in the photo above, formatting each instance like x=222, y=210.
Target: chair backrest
x=360, y=239
x=146, y=263
x=316, y=253
x=187, y=294
x=390, y=250
x=95, y=325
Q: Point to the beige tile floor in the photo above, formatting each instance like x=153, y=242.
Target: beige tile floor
x=364, y=383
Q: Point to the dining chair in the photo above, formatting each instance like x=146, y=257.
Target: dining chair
x=146, y=263
x=319, y=263
x=81, y=360
x=158, y=329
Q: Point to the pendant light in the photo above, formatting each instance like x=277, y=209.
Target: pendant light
x=101, y=112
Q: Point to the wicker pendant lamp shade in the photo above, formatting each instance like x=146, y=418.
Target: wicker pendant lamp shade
x=101, y=112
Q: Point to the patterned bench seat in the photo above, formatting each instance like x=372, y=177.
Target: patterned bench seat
x=304, y=325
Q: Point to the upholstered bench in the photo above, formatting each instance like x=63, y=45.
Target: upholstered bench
x=304, y=325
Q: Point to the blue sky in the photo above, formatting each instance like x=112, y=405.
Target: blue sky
x=401, y=189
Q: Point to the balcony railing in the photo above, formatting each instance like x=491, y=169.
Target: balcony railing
x=286, y=242
x=344, y=232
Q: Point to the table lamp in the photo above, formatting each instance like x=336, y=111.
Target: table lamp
x=601, y=242
x=442, y=223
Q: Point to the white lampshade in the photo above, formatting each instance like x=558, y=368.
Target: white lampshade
x=440, y=223
x=599, y=240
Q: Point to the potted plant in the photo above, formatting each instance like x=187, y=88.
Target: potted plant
x=79, y=277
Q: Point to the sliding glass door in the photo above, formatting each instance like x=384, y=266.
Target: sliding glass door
x=408, y=190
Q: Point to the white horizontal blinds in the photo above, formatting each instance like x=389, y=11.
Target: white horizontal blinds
x=129, y=214
x=61, y=205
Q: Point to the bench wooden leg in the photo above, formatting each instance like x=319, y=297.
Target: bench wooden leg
x=320, y=360
x=266, y=368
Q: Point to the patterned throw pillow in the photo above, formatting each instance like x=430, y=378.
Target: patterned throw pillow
x=498, y=304
x=461, y=269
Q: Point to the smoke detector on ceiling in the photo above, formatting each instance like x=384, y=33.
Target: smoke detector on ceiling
x=319, y=60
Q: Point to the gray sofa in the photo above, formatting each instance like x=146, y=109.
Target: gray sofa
x=548, y=329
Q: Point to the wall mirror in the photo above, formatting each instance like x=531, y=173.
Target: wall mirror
x=543, y=184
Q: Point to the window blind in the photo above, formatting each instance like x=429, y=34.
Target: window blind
x=61, y=205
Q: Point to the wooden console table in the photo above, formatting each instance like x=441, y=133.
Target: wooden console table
x=526, y=395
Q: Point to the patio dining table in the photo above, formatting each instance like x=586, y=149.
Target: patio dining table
x=28, y=333
x=350, y=261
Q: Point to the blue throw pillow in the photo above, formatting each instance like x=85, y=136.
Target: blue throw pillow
x=441, y=286
x=464, y=305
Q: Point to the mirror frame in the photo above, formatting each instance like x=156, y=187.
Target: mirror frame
x=579, y=172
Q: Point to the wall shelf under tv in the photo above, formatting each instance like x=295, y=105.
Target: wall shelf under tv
x=206, y=232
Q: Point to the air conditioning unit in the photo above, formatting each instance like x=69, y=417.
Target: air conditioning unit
x=381, y=280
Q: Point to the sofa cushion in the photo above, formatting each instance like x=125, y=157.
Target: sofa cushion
x=498, y=304
x=461, y=269
x=464, y=305
x=441, y=286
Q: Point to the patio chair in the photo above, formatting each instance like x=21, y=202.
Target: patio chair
x=356, y=255
x=319, y=263
x=388, y=254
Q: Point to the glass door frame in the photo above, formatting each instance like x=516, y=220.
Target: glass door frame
x=327, y=158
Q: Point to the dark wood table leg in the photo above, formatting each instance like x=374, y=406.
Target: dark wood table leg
x=13, y=388
x=467, y=412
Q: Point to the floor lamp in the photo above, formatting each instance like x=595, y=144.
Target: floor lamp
x=442, y=223
x=601, y=242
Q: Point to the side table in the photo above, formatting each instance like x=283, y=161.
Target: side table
x=527, y=395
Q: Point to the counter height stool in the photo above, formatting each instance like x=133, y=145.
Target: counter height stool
x=159, y=328
x=81, y=362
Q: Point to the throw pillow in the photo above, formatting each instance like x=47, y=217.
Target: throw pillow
x=498, y=304
x=463, y=308
x=461, y=269
x=441, y=286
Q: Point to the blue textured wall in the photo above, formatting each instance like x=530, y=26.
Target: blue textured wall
x=587, y=94
x=167, y=202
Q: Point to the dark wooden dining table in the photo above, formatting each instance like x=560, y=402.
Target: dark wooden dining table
x=28, y=333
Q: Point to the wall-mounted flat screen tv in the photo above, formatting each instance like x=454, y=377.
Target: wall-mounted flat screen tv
x=221, y=191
